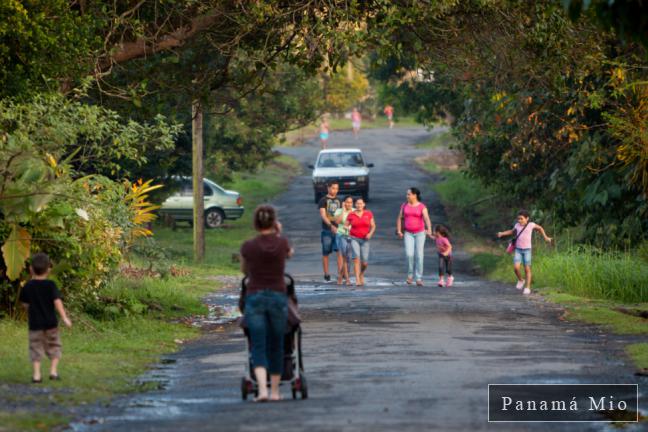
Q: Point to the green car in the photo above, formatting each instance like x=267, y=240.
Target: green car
x=220, y=204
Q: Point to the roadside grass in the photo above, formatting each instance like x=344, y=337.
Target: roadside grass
x=603, y=288
x=443, y=138
x=142, y=319
x=639, y=353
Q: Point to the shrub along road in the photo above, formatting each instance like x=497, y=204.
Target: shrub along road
x=387, y=357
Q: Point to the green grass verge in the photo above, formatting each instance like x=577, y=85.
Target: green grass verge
x=639, y=353
x=103, y=356
x=439, y=139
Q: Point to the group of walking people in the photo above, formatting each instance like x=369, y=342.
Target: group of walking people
x=348, y=226
x=347, y=229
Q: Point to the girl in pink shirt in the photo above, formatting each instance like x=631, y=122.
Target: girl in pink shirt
x=444, y=250
x=523, y=233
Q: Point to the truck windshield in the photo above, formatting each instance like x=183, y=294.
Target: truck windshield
x=340, y=160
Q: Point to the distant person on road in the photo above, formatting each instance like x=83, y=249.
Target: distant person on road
x=324, y=132
x=42, y=300
x=522, y=234
x=444, y=251
x=389, y=112
x=356, y=121
x=343, y=240
x=362, y=227
x=263, y=261
x=414, y=216
x=328, y=205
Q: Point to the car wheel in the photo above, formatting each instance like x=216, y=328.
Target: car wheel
x=214, y=218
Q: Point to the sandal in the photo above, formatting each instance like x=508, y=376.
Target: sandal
x=55, y=378
x=37, y=381
x=261, y=399
x=409, y=281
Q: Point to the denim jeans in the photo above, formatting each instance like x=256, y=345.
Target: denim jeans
x=522, y=256
x=360, y=249
x=329, y=243
x=414, y=249
x=266, y=313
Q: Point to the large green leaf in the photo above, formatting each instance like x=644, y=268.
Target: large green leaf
x=15, y=251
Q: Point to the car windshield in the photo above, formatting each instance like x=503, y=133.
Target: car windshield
x=340, y=160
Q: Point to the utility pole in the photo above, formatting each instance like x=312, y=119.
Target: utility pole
x=197, y=176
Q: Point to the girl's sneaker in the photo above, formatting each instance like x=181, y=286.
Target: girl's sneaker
x=441, y=282
x=450, y=281
x=526, y=291
x=520, y=284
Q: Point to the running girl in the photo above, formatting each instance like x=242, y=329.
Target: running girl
x=363, y=226
x=444, y=250
x=523, y=233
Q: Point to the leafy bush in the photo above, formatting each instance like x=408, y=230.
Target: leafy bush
x=84, y=222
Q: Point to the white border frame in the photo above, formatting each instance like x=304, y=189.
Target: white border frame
x=563, y=421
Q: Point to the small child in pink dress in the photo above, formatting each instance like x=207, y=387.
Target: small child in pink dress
x=444, y=249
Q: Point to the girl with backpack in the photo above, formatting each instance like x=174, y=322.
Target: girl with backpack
x=520, y=247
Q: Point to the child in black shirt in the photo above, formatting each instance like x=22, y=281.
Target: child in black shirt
x=42, y=299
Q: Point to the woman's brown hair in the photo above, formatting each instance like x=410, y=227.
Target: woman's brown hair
x=265, y=217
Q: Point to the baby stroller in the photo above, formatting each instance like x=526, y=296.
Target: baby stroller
x=293, y=369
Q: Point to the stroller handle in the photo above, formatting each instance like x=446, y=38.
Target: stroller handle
x=291, y=281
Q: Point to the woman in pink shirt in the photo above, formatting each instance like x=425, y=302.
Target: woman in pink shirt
x=523, y=232
x=414, y=215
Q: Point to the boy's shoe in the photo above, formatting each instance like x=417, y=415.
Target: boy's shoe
x=520, y=284
x=327, y=278
x=441, y=282
x=450, y=281
x=526, y=291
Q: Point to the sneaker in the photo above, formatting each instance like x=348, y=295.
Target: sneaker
x=450, y=281
x=520, y=284
x=526, y=291
x=327, y=278
x=441, y=283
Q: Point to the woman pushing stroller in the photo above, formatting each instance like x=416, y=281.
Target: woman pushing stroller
x=263, y=261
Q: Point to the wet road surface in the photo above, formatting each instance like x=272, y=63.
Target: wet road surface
x=382, y=358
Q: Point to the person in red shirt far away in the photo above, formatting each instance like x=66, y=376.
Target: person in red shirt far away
x=389, y=112
x=362, y=227
x=444, y=249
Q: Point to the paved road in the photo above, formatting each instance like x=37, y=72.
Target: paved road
x=387, y=357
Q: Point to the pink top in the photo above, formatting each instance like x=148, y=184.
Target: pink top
x=355, y=116
x=442, y=244
x=524, y=239
x=413, y=215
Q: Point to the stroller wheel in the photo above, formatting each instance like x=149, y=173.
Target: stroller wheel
x=304, y=388
x=244, y=389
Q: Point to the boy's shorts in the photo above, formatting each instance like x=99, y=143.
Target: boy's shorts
x=44, y=342
x=522, y=256
x=329, y=243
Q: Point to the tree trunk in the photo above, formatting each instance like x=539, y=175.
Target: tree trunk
x=198, y=188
